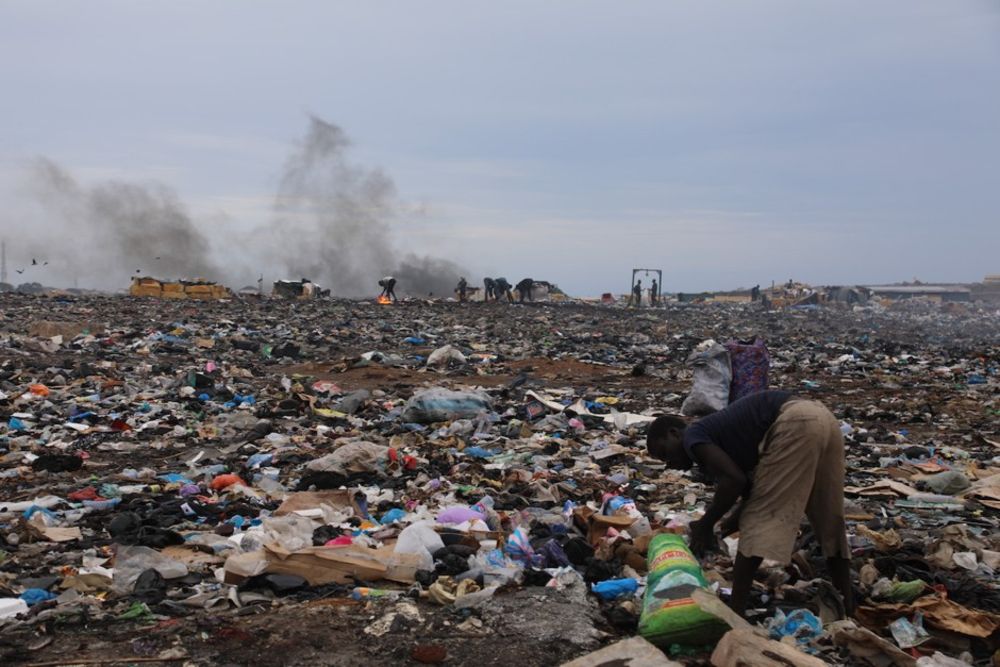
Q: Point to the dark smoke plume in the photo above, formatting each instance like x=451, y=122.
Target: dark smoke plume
x=107, y=232
x=332, y=222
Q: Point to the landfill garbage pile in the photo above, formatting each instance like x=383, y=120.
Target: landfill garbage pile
x=322, y=482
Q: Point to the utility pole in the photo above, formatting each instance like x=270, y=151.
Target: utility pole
x=3, y=261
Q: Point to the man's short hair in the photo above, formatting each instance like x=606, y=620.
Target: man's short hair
x=661, y=425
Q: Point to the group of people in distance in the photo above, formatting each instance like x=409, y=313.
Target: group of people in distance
x=498, y=289
x=494, y=289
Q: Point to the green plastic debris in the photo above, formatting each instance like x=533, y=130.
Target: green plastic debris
x=907, y=591
x=138, y=611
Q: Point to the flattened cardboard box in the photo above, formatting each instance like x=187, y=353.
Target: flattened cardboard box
x=343, y=565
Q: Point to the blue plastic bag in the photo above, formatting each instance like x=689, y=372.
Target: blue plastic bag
x=33, y=596
x=801, y=624
x=613, y=589
x=392, y=516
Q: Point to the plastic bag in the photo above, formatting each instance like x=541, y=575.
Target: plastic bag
x=519, y=549
x=352, y=457
x=908, y=634
x=459, y=515
x=476, y=599
x=10, y=607
x=902, y=591
x=613, y=589
x=443, y=356
x=421, y=539
x=291, y=532
x=496, y=568
x=801, y=625
x=130, y=562
x=948, y=483
x=439, y=404
x=669, y=613
x=712, y=378
x=34, y=596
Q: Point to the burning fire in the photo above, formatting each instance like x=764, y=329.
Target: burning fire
x=384, y=300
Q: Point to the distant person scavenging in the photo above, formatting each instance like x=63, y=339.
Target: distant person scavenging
x=653, y=293
x=462, y=289
x=502, y=289
x=785, y=457
x=489, y=289
x=524, y=290
x=637, y=294
x=388, y=285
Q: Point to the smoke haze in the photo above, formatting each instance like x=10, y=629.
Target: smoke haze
x=102, y=234
x=332, y=223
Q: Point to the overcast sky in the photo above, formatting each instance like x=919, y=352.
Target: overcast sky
x=728, y=143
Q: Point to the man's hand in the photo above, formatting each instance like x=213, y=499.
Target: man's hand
x=702, y=538
x=730, y=484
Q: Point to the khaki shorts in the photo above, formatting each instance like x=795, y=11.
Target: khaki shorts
x=800, y=471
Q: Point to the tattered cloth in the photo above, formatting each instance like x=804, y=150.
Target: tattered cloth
x=751, y=364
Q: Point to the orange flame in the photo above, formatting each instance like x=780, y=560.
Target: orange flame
x=384, y=300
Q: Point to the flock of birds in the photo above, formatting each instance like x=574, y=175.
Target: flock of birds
x=34, y=262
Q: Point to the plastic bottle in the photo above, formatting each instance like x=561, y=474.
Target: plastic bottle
x=101, y=505
x=365, y=593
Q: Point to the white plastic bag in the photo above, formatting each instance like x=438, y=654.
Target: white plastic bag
x=712, y=378
x=419, y=538
x=12, y=607
x=445, y=355
x=291, y=532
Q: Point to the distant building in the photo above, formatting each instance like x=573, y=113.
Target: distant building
x=938, y=293
x=852, y=296
x=988, y=290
